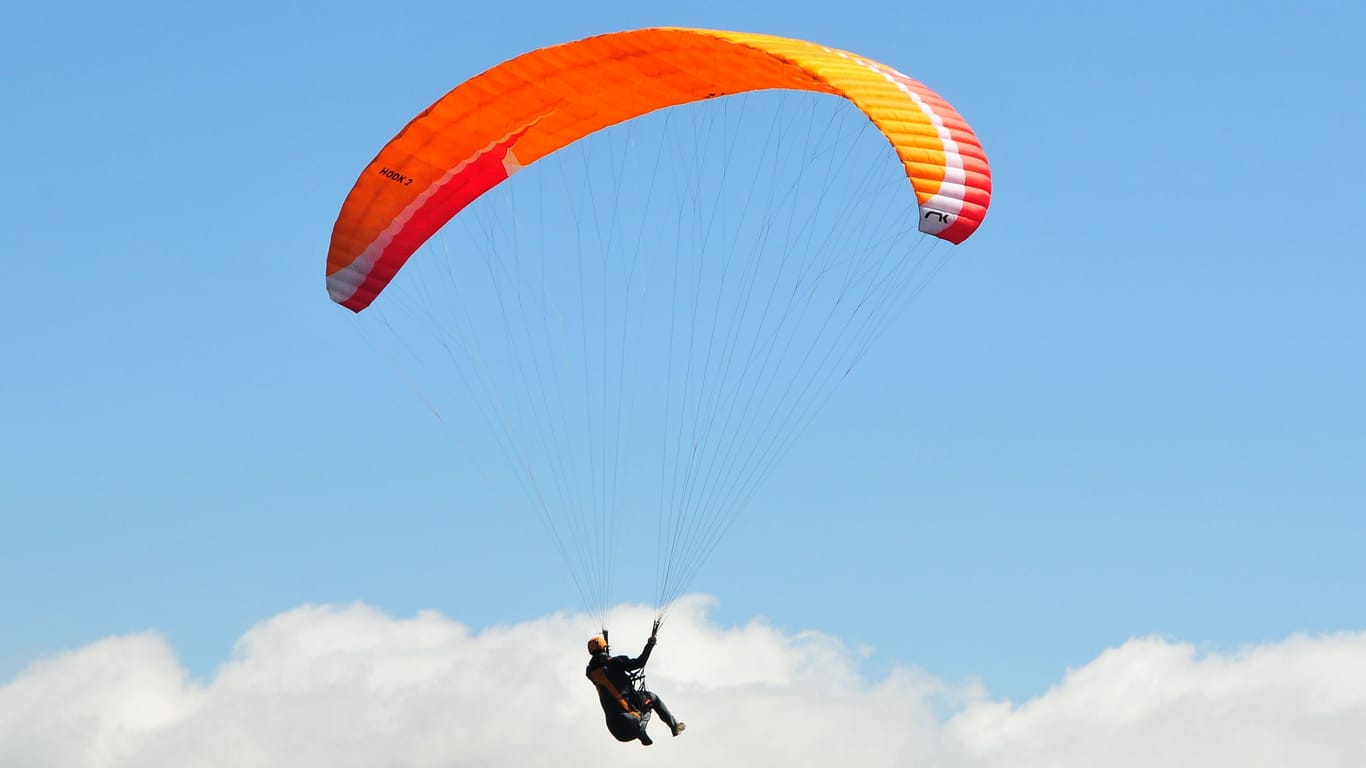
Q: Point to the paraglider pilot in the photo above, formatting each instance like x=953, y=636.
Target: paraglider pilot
x=625, y=706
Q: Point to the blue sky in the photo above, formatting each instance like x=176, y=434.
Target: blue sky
x=1131, y=405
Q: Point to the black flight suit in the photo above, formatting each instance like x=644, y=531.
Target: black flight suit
x=622, y=705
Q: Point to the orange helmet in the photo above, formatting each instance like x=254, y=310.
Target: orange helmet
x=597, y=644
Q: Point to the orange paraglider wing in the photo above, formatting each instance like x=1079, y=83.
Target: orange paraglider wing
x=493, y=124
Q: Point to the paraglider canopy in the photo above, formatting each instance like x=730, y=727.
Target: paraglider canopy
x=494, y=124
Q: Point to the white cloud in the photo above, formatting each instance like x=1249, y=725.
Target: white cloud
x=349, y=686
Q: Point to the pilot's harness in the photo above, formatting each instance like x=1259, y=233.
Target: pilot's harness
x=637, y=678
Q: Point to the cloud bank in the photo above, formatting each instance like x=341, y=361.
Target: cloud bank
x=343, y=686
